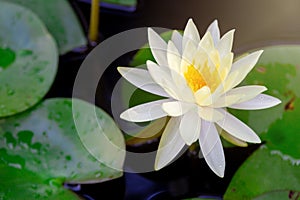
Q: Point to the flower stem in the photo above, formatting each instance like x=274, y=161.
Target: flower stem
x=94, y=20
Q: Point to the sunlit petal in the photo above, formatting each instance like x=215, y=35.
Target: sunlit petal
x=175, y=86
x=225, y=45
x=158, y=47
x=188, y=55
x=177, y=39
x=142, y=79
x=207, y=42
x=238, y=95
x=243, y=66
x=173, y=57
x=203, y=96
x=232, y=139
x=162, y=76
x=237, y=128
x=170, y=144
x=214, y=31
x=211, y=148
x=190, y=127
x=261, y=101
x=177, y=108
x=210, y=114
x=190, y=34
x=145, y=112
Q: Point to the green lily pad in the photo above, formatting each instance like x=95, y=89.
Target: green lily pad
x=28, y=59
x=282, y=195
x=278, y=69
x=277, y=166
x=264, y=171
x=60, y=19
x=44, y=146
x=23, y=184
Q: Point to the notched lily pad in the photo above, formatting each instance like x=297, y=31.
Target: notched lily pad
x=275, y=167
x=60, y=19
x=28, y=59
x=43, y=144
x=262, y=172
x=281, y=194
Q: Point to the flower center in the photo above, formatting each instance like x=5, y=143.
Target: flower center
x=194, y=79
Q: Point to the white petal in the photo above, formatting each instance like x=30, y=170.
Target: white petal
x=238, y=129
x=170, y=144
x=177, y=39
x=190, y=127
x=203, y=96
x=163, y=76
x=207, y=43
x=145, y=112
x=142, y=79
x=190, y=34
x=188, y=55
x=210, y=114
x=214, y=31
x=238, y=95
x=158, y=47
x=174, y=59
x=232, y=139
x=177, y=108
x=211, y=148
x=261, y=101
x=242, y=67
x=226, y=63
x=225, y=45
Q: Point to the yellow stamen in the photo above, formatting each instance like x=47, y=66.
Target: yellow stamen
x=194, y=78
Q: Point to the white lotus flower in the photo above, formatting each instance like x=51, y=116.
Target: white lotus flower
x=198, y=78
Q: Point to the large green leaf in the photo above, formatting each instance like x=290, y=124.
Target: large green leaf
x=22, y=184
x=263, y=172
x=276, y=167
x=43, y=144
x=28, y=59
x=278, y=70
x=60, y=19
x=280, y=195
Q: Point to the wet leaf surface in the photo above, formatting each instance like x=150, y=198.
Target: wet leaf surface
x=277, y=165
x=60, y=19
x=28, y=59
x=43, y=145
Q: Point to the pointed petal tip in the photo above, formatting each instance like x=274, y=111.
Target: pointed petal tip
x=221, y=175
x=124, y=115
x=122, y=70
x=150, y=30
x=215, y=21
x=190, y=20
x=255, y=140
x=277, y=102
x=219, y=170
x=259, y=52
x=157, y=167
